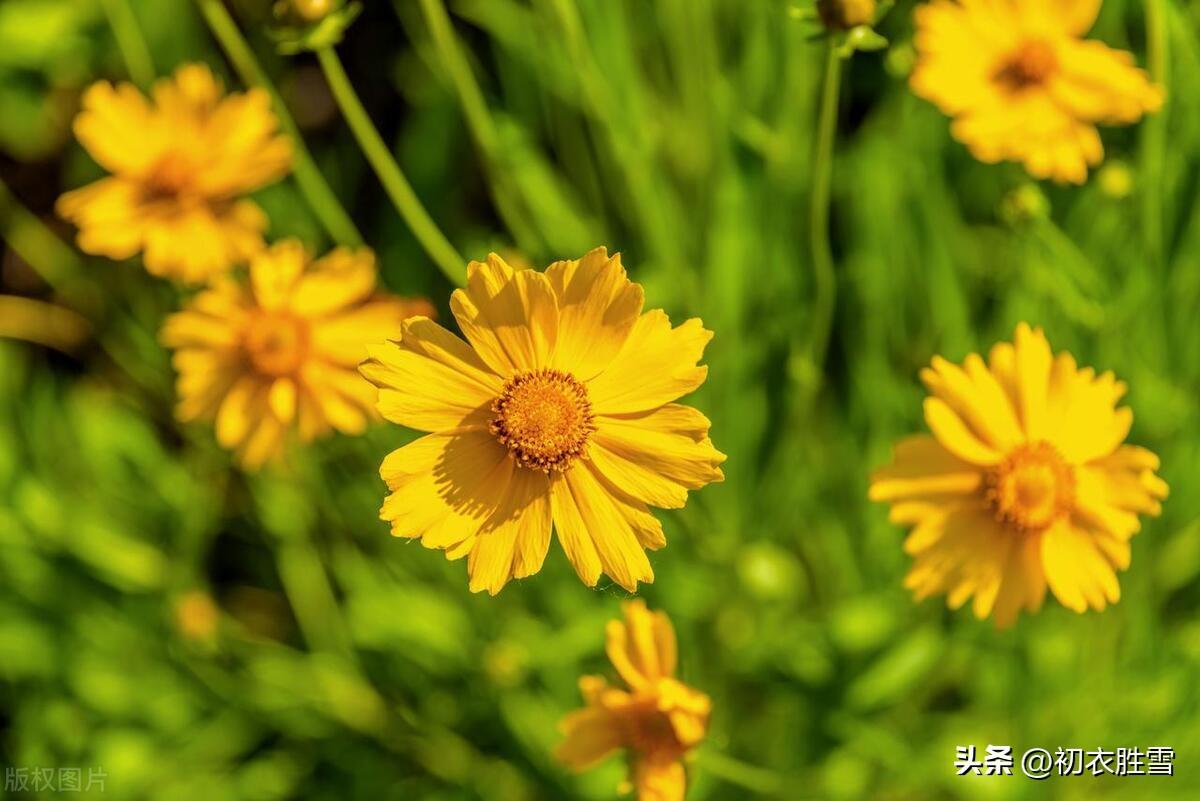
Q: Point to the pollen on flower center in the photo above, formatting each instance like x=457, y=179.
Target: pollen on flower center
x=1031, y=65
x=169, y=177
x=1031, y=488
x=275, y=343
x=544, y=418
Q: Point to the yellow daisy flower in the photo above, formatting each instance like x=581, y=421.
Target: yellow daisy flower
x=558, y=408
x=179, y=162
x=657, y=719
x=281, y=352
x=1021, y=83
x=1025, y=482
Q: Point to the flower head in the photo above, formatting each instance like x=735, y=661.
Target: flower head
x=180, y=162
x=656, y=718
x=1025, y=482
x=280, y=353
x=1022, y=85
x=557, y=410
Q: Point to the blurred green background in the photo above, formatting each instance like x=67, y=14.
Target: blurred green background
x=198, y=633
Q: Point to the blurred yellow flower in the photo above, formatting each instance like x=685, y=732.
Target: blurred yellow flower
x=559, y=409
x=657, y=720
x=1023, y=85
x=281, y=352
x=179, y=164
x=1025, y=482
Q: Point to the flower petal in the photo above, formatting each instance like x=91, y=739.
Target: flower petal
x=598, y=306
x=430, y=380
x=445, y=486
x=340, y=279
x=922, y=468
x=955, y=436
x=513, y=541
x=1078, y=573
x=594, y=531
x=509, y=317
x=976, y=396
x=656, y=366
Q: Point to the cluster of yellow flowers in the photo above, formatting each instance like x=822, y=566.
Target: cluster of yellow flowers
x=558, y=410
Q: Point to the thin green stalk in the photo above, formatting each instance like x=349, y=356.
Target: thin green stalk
x=130, y=41
x=1154, y=143
x=312, y=183
x=759, y=781
x=479, y=120
x=390, y=175
x=825, y=280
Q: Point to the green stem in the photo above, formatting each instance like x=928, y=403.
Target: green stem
x=41, y=248
x=759, y=781
x=825, y=280
x=130, y=42
x=479, y=121
x=312, y=183
x=1155, y=142
x=390, y=175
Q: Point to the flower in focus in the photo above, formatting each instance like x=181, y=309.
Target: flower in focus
x=1022, y=85
x=657, y=719
x=557, y=409
x=281, y=352
x=180, y=163
x=1025, y=483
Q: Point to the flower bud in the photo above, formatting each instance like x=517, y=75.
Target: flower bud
x=842, y=15
x=308, y=11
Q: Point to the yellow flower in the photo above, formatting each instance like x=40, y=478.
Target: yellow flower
x=179, y=164
x=1023, y=85
x=281, y=352
x=657, y=720
x=1025, y=482
x=559, y=409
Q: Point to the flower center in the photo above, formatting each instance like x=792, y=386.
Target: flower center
x=1031, y=488
x=169, y=177
x=1031, y=65
x=544, y=418
x=276, y=343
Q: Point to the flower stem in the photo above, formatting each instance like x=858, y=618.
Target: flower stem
x=759, y=781
x=130, y=41
x=1155, y=143
x=312, y=183
x=825, y=280
x=394, y=183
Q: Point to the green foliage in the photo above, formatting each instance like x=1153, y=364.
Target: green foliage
x=347, y=664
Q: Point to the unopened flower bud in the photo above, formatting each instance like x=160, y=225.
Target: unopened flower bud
x=306, y=10
x=842, y=15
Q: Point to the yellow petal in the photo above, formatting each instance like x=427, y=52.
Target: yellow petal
x=656, y=366
x=954, y=435
x=1077, y=572
x=922, y=468
x=659, y=780
x=282, y=399
x=976, y=396
x=243, y=409
x=112, y=119
x=592, y=527
x=1071, y=17
x=657, y=456
x=1033, y=378
x=592, y=733
x=275, y=273
x=431, y=380
x=341, y=279
x=344, y=336
x=514, y=540
x=445, y=486
x=510, y=318
x=598, y=306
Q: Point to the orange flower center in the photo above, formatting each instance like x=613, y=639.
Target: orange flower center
x=169, y=177
x=544, y=418
x=1031, y=65
x=1033, y=487
x=276, y=343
